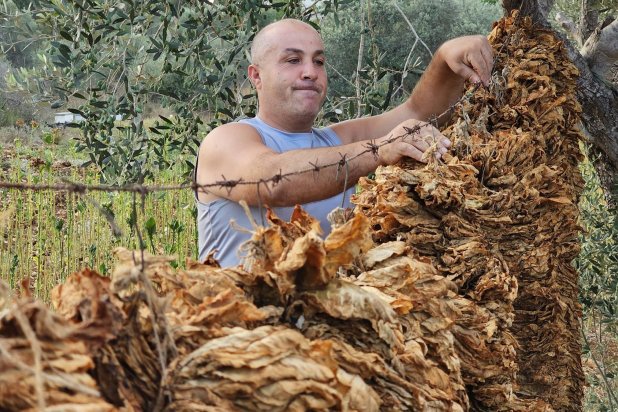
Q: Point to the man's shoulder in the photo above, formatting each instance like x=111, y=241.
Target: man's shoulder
x=230, y=138
x=240, y=129
x=236, y=125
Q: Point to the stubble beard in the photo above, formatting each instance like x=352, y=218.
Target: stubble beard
x=305, y=112
x=294, y=111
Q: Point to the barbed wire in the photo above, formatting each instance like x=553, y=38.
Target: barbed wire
x=230, y=184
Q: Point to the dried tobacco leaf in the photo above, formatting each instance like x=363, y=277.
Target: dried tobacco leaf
x=44, y=363
x=268, y=368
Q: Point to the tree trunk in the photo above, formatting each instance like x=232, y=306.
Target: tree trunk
x=596, y=92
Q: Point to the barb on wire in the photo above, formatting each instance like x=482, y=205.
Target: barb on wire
x=316, y=168
x=279, y=177
x=373, y=148
x=345, y=184
x=260, y=206
x=227, y=184
x=341, y=164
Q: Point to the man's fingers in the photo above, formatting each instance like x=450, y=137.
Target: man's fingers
x=486, y=60
x=471, y=57
x=488, y=55
x=466, y=72
x=439, y=144
x=421, y=144
x=477, y=62
x=427, y=137
x=411, y=151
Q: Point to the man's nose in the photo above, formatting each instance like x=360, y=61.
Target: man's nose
x=309, y=71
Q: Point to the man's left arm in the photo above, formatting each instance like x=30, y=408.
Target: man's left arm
x=468, y=58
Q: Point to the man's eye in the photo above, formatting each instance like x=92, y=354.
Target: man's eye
x=294, y=61
x=320, y=62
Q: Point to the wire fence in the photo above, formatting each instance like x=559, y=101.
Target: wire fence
x=229, y=184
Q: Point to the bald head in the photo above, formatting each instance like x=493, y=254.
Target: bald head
x=265, y=39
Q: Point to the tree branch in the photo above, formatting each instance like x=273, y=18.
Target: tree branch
x=601, y=50
x=568, y=25
x=588, y=21
x=359, y=63
x=418, y=38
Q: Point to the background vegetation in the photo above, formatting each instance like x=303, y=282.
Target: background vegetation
x=175, y=70
x=389, y=52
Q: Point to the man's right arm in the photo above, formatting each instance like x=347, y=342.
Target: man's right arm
x=463, y=58
x=235, y=151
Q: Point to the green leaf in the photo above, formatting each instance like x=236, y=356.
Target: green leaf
x=166, y=120
x=150, y=226
x=66, y=35
x=77, y=111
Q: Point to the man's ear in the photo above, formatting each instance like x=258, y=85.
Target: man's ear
x=254, y=75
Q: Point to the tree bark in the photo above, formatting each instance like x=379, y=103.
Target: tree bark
x=599, y=103
x=588, y=20
x=538, y=10
x=599, y=100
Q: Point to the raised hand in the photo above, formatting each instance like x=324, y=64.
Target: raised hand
x=471, y=57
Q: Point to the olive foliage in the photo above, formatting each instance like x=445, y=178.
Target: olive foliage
x=109, y=59
x=393, y=57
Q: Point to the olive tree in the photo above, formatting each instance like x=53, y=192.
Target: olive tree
x=110, y=58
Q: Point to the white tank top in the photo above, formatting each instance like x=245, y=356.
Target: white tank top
x=213, y=218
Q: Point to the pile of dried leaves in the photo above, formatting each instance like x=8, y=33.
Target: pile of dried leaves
x=46, y=359
x=294, y=332
x=450, y=289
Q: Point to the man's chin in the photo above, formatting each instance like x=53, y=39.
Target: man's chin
x=307, y=115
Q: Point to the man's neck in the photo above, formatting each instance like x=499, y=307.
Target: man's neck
x=294, y=126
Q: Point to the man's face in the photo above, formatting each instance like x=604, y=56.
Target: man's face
x=291, y=76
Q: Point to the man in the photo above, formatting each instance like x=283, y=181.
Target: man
x=288, y=71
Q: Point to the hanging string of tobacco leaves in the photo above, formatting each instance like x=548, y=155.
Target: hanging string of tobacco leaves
x=499, y=218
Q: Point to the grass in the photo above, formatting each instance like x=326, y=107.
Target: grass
x=597, y=266
x=48, y=235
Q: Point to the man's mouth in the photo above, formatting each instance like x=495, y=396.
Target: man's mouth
x=308, y=88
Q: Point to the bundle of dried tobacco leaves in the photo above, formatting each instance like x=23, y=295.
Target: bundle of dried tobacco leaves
x=450, y=289
x=499, y=218
x=292, y=333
